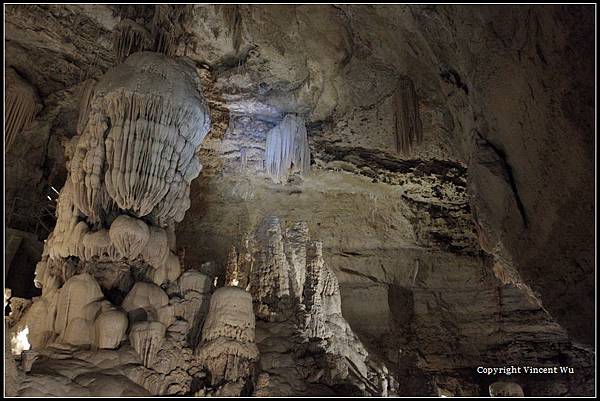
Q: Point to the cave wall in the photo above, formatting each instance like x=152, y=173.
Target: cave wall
x=496, y=198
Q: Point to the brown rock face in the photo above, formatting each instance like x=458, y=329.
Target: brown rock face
x=406, y=193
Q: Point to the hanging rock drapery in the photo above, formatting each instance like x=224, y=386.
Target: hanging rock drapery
x=22, y=104
x=287, y=148
x=408, y=126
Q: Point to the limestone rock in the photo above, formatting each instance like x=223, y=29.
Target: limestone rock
x=147, y=338
x=22, y=104
x=129, y=235
x=227, y=348
x=505, y=389
x=145, y=297
x=110, y=328
x=77, y=307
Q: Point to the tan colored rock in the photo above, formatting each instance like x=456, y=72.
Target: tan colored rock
x=110, y=328
x=129, y=236
x=195, y=281
x=506, y=389
x=147, y=338
x=227, y=348
x=77, y=307
x=156, y=250
x=145, y=296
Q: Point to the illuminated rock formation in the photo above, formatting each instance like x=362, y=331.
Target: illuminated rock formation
x=228, y=349
x=287, y=149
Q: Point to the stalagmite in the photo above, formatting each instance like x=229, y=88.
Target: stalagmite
x=110, y=328
x=287, y=149
x=270, y=280
x=129, y=236
x=409, y=129
x=156, y=250
x=295, y=250
x=227, y=348
x=77, y=308
x=232, y=270
x=147, y=297
x=22, y=104
x=146, y=338
x=313, y=292
x=194, y=281
x=195, y=289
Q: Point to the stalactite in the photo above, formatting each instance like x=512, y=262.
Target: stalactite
x=163, y=30
x=22, y=104
x=233, y=20
x=130, y=37
x=287, y=149
x=87, y=95
x=409, y=130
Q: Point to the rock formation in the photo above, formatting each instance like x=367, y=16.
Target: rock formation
x=22, y=104
x=228, y=349
x=287, y=149
x=390, y=197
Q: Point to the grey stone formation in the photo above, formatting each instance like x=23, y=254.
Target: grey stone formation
x=299, y=200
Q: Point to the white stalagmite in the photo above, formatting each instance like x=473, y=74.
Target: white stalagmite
x=22, y=104
x=228, y=349
x=287, y=149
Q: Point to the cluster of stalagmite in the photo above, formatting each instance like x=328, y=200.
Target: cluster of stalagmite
x=75, y=314
x=287, y=149
x=128, y=184
x=294, y=289
x=130, y=173
x=22, y=104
